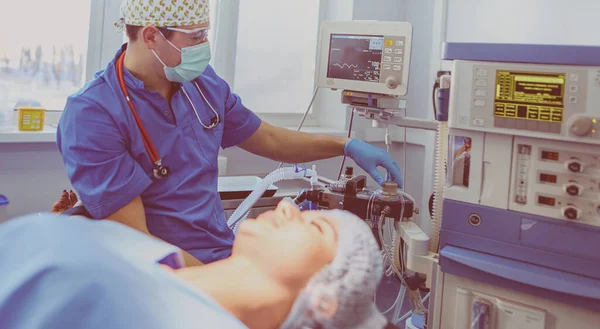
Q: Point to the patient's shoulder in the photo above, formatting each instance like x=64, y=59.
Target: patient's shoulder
x=79, y=239
x=60, y=262
x=94, y=274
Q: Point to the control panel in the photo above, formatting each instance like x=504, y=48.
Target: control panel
x=556, y=179
x=365, y=56
x=544, y=101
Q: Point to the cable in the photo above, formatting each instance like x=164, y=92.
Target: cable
x=380, y=230
x=397, y=322
x=388, y=140
x=404, y=156
x=399, y=298
x=388, y=252
x=349, y=134
x=312, y=100
x=370, y=206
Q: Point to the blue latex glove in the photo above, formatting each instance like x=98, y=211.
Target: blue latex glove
x=369, y=157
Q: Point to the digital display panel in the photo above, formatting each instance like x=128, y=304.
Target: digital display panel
x=546, y=201
x=355, y=57
x=530, y=96
x=548, y=155
x=548, y=178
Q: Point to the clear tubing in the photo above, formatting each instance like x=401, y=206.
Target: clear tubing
x=440, y=174
x=277, y=175
x=398, y=309
x=397, y=321
x=393, y=253
x=397, y=303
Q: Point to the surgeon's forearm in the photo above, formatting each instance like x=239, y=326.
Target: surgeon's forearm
x=300, y=147
x=291, y=146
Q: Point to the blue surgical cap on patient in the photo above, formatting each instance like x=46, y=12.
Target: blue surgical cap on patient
x=73, y=273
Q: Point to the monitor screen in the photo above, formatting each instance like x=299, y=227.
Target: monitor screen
x=532, y=96
x=355, y=57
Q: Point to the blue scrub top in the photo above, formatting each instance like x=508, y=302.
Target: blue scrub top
x=108, y=166
x=74, y=273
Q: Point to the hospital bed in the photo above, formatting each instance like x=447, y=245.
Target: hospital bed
x=232, y=191
x=262, y=205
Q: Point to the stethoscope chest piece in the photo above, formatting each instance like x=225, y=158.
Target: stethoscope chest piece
x=161, y=171
x=214, y=121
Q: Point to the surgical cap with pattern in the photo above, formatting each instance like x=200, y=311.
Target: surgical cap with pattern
x=341, y=295
x=163, y=13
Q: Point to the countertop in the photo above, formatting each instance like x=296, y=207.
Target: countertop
x=48, y=135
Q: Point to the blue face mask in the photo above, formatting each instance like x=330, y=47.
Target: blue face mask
x=194, y=61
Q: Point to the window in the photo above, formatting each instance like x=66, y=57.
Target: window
x=276, y=54
x=42, y=58
x=265, y=49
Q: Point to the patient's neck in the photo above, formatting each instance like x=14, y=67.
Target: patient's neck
x=259, y=301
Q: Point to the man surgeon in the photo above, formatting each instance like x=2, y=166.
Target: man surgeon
x=140, y=141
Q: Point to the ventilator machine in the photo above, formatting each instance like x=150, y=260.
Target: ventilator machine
x=515, y=212
x=520, y=219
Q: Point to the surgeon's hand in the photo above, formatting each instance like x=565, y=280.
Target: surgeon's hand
x=66, y=201
x=369, y=157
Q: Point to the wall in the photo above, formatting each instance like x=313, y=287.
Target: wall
x=33, y=174
x=519, y=21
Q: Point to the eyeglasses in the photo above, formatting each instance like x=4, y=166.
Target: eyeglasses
x=200, y=33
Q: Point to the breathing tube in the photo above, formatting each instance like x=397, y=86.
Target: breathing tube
x=287, y=173
x=440, y=161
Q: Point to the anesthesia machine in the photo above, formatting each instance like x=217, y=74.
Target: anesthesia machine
x=521, y=204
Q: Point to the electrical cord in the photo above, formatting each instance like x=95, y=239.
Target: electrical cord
x=387, y=251
x=349, y=134
x=399, y=299
x=402, y=318
x=404, y=157
x=388, y=139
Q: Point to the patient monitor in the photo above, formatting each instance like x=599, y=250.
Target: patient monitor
x=365, y=56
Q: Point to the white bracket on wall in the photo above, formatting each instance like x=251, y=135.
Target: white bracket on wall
x=392, y=117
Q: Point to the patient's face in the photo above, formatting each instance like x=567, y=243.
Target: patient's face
x=291, y=245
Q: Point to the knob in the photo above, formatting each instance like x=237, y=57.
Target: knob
x=390, y=189
x=582, y=126
x=392, y=82
x=349, y=171
x=571, y=212
x=573, y=189
x=575, y=166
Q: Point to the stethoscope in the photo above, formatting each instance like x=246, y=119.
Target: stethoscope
x=159, y=171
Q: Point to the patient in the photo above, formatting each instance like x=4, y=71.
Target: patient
x=288, y=270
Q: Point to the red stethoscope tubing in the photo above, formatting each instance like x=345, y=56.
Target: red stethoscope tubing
x=150, y=148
